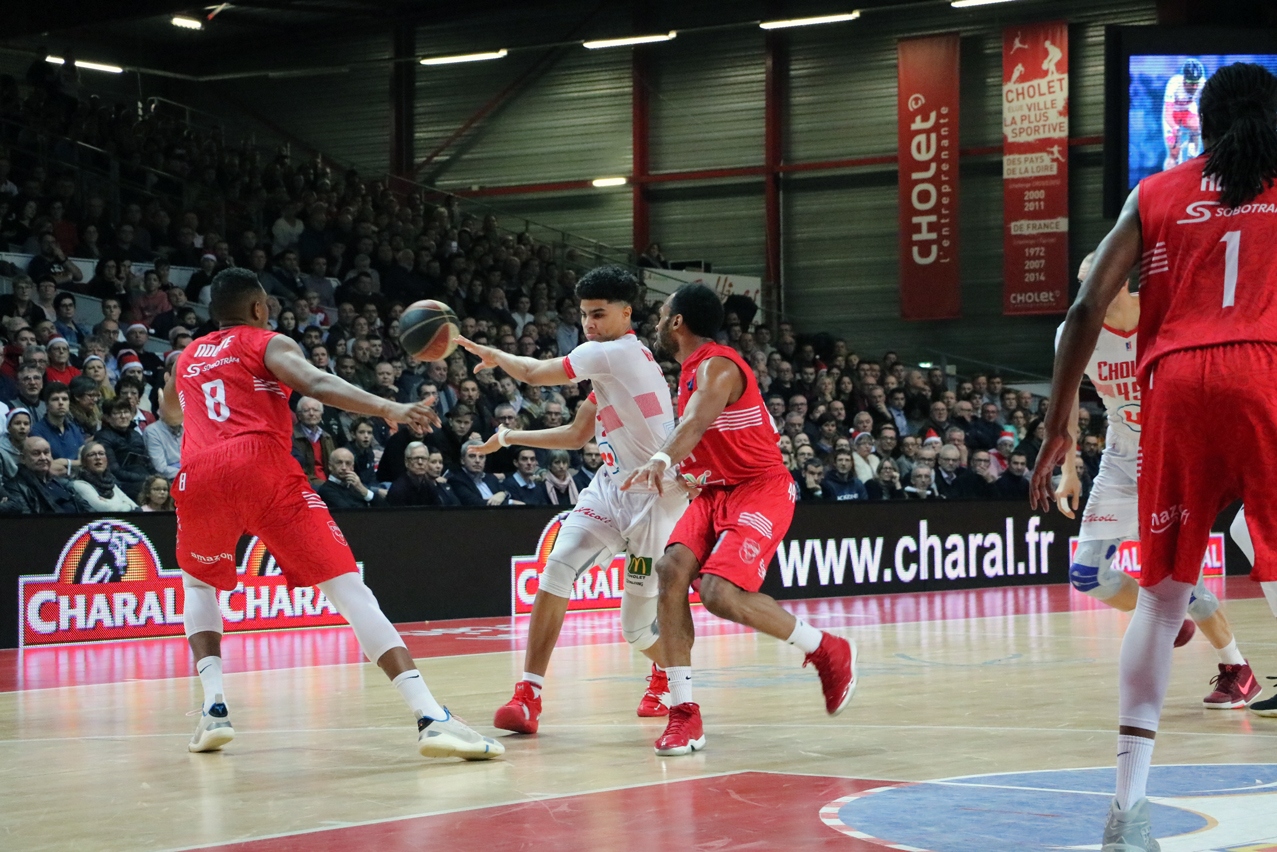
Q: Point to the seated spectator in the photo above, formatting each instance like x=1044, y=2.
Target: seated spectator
x=591, y=461
x=21, y=302
x=343, y=488
x=920, y=486
x=30, y=388
x=17, y=426
x=984, y=433
x=559, y=484
x=886, y=485
x=60, y=368
x=841, y=484
x=66, y=325
x=312, y=446
x=95, y=483
x=35, y=490
x=130, y=389
x=523, y=484
x=449, y=440
x=1035, y=434
x=150, y=301
x=1000, y=458
x=362, y=446
x=86, y=402
x=978, y=481
x=125, y=447
x=811, y=485
x=417, y=486
x=949, y=473
x=1090, y=452
x=176, y=314
x=472, y=486
x=53, y=265
x=56, y=426
x=198, y=287
x=865, y=461
x=155, y=495
x=164, y=447
x=1013, y=484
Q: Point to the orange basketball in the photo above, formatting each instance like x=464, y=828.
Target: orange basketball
x=428, y=330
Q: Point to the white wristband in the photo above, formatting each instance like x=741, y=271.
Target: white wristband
x=501, y=436
x=662, y=457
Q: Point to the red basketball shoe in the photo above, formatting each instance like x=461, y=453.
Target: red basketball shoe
x=684, y=733
x=1235, y=686
x=835, y=662
x=1187, y=631
x=658, y=687
x=520, y=713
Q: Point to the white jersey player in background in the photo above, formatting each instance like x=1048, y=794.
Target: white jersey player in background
x=630, y=414
x=1111, y=515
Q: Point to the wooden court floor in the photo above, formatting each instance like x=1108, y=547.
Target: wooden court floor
x=984, y=721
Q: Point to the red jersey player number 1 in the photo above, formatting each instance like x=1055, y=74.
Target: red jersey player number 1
x=726, y=449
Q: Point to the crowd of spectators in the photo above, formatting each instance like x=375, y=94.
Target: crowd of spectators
x=340, y=260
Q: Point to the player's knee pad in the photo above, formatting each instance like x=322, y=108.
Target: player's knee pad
x=1092, y=573
x=638, y=621
x=201, y=612
x=575, y=550
x=358, y=605
x=1203, y=603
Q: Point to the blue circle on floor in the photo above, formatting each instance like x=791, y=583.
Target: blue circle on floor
x=1050, y=810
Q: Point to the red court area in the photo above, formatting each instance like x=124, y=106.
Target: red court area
x=743, y=810
x=150, y=659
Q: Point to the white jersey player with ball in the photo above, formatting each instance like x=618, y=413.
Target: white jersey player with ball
x=1111, y=515
x=630, y=414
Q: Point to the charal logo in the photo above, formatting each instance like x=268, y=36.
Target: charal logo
x=1127, y=558
x=1162, y=521
x=109, y=583
x=598, y=587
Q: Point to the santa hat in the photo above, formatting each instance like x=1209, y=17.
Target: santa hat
x=1007, y=435
x=206, y=256
x=14, y=412
x=137, y=325
x=932, y=440
x=126, y=359
x=855, y=438
x=59, y=339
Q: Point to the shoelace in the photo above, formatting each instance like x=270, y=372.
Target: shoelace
x=1224, y=679
x=679, y=720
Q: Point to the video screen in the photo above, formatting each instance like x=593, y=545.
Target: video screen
x=1165, y=127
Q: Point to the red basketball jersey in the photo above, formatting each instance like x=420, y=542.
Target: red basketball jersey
x=227, y=392
x=742, y=443
x=1207, y=277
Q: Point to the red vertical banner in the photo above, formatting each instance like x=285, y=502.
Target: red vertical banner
x=1035, y=168
x=927, y=124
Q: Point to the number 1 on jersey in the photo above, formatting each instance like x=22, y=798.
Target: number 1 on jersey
x=1233, y=243
x=215, y=400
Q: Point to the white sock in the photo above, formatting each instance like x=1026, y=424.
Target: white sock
x=1134, y=756
x=680, y=684
x=657, y=667
x=210, y=671
x=805, y=637
x=412, y=686
x=537, y=681
x=1229, y=655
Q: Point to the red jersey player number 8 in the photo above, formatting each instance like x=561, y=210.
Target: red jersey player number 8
x=215, y=400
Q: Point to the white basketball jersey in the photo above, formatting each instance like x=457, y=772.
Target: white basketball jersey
x=635, y=414
x=1112, y=371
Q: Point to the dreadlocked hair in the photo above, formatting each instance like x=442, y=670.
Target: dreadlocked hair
x=1239, y=118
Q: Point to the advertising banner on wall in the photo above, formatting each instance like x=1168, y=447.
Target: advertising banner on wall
x=1127, y=557
x=1035, y=168
x=927, y=128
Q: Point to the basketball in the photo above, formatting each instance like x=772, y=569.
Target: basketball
x=428, y=330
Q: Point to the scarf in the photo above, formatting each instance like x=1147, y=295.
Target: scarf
x=103, y=483
x=554, y=487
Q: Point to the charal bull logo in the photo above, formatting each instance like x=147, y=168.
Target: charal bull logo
x=109, y=583
x=597, y=588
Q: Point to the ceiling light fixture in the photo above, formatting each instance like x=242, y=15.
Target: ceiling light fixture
x=609, y=181
x=88, y=66
x=187, y=23
x=464, y=57
x=626, y=42
x=807, y=22
x=966, y=4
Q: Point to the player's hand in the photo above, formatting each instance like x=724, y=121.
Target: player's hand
x=1068, y=492
x=688, y=487
x=486, y=354
x=1041, y=495
x=419, y=414
x=649, y=477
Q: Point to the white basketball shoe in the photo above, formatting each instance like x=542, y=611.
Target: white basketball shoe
x=450, y=737
x=214, y=730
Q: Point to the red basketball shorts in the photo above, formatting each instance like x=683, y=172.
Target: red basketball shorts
x=1192, y=469
x=734, y=530
x=251, y=486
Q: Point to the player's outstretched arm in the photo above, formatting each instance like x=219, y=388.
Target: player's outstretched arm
x=1116, y=256
x=718, y=384
x=520, y=368
x=569, y=436
x=285, y=360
